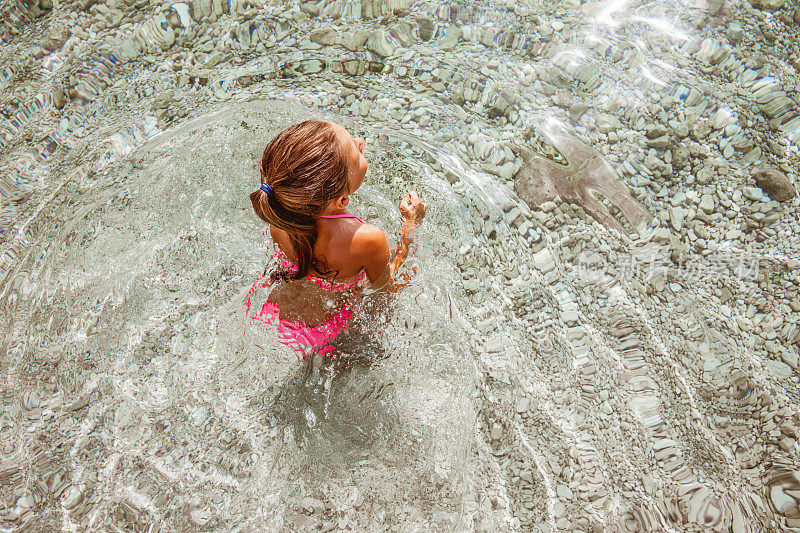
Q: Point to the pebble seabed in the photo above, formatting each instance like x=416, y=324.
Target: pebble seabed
x=614, y=348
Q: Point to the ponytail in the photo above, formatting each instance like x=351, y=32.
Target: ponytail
x=305, y=168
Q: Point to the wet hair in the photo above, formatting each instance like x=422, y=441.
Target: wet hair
x=305, y=165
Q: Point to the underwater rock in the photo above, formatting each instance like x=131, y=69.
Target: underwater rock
x=59, y=95
x=379, y=43
x=782, y=492
x=154, y=32
x=775, y=183
x=324, y=36
x=753, y=194
x=676, y=217
x=55, y=39
x=586, y=173
x=354, y=41
x=706, y=204
x=371, y=9
x=403, y=32
x=451, y=37
x=714, y=6
x=768, y=5
x=426, y=28
x=201, y=9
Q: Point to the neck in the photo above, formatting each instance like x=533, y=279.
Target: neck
x=335, y=211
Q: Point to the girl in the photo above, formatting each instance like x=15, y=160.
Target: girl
x=308, y=172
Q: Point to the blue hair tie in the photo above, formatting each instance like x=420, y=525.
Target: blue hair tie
x=266, y=188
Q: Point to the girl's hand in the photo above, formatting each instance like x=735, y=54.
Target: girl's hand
x=412, y=208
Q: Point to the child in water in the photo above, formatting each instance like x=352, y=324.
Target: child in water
x=308, y=172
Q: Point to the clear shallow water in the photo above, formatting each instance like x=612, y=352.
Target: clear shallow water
x=542, y=373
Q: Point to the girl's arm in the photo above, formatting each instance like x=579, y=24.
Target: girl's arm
x=386, y=279
x=381, y=269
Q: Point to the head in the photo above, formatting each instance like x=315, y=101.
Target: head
x=312, y=168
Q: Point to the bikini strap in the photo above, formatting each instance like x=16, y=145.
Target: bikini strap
x=342, y=215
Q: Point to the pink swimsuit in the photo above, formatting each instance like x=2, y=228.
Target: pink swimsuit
x=304, y=339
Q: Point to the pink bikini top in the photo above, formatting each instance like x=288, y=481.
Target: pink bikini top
x=289, y=265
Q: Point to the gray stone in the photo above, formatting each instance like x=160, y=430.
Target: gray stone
x=607, y=123
x=727, y=152
x=310, y=8
x=354, y=41
x=752, y=193
x=380, y=43
x=522, y=405
x=426, y=27
x=403, y=32
x=676, y=217
x=656, y=130
x=451, y=37
x=72, y=497
x=201, y=9
x=324, y=36
x=577, y=110
x=658, y=142
x=680, y=157
x=714, y=6
x=779, y=368
x=543, y=260
x=563, y=491
x=59, y=95
x=706, y=204
x=55, y=39
x=734, y=32
x=790, y=358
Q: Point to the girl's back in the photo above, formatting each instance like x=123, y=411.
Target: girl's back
x=336, y=244
x=317, y=299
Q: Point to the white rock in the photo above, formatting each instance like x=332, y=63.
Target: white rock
x=72, y=497
x=451, y=37
x=706, y=204
x=543, y=260
x=607, y=123
x=790, y=358
x=570, y=317
x=676, y=217
x=779, y=368
x=182, y=10
x=522, y=405
x=380, y=43
x=678, y=199
x=727, y=152
x=494, y=345
x=753, y=193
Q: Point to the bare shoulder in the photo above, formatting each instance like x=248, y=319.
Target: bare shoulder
x=369, y=239
x=371, y=249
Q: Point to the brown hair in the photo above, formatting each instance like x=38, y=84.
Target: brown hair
x=306, y=167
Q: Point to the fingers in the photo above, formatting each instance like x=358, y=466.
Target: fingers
x=411, y=197
x=412, y=201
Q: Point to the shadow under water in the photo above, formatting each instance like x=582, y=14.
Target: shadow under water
x=339, y=407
